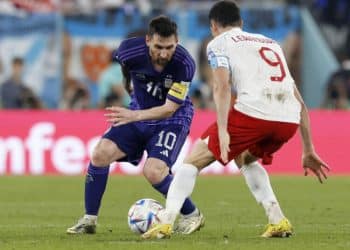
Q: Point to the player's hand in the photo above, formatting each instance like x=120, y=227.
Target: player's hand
x=312, y=162
x=224, y=139
x=120, y=116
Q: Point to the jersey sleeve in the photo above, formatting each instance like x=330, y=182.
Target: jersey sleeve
x=180, y=87
x=217, y=56
x=119, y=52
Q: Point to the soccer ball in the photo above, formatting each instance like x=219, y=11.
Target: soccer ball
x=143, y=214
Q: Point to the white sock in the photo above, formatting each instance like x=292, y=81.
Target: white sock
x=91, y=217
x=258, y=182
x=180, y=188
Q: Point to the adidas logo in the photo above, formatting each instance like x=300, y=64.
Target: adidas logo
x=165, y=152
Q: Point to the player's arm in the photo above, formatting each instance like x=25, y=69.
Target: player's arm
x=304, y=124
x=310, y=158
x=126, y=79
x=222, y=99
x=176, y=96
x=119, y=116
x=219, y=62
x=119, y=55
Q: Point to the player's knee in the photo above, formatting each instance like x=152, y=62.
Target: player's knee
x=155, y=173
x=239, y=161
x=100, y=157
x=244, y=158
x=201, y=156
x=199, y=163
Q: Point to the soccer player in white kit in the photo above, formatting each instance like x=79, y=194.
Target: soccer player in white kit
x=266, y=114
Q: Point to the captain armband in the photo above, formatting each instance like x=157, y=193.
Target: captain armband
x=179, y=90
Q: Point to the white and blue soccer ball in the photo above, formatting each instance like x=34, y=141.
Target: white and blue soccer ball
x=143, y=214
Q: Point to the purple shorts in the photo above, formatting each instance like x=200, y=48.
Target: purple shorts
x=162, y=141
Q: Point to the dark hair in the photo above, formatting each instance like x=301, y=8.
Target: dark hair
x=225, y=13
x=17, y=60
x=163, y=26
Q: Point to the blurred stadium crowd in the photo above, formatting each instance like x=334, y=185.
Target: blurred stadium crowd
x=55, y=54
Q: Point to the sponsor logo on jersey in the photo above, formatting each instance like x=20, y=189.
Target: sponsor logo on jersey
x=140, y=76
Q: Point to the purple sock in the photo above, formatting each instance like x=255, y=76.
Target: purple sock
x=163, y=187
x=95, y=185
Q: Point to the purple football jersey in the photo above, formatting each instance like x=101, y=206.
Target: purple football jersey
x=152, y=88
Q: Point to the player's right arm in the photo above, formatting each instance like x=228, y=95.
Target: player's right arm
x=123, y=56
x=126, y=79
x=221, y=92
x=310, y=159
x=222, y=99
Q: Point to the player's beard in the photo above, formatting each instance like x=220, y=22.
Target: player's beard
x=162, y=62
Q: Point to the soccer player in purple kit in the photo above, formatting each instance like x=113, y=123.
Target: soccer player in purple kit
x=158, y=120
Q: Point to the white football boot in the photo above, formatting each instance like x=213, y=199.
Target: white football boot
x=190, y=223
x=84, y=226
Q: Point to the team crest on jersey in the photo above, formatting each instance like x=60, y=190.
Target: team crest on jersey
x=168, y=82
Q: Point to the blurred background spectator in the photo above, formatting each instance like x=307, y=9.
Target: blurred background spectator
x=75, y=94
x=111, y=89
x=14, y=93
x=334, y=20
x=338, y=88
x=67, y=43
x=201, y=89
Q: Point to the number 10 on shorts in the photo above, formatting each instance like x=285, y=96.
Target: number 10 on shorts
x=166, y=140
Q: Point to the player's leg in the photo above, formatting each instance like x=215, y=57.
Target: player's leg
x=103, y=154
x=184, y=182
x=157, y=173
x=165, y=147
x=258, y=180
x=278, y=226
x=182, y=187
x=259, y=185
x=110, y=148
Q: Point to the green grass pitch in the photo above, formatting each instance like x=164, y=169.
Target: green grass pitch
x=35, y=212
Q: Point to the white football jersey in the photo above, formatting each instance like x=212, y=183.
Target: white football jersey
x=260, y=75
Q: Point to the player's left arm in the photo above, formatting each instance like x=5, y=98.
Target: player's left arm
x=119, y=116
x=126, y=79
x=176, y=96
x=310, y=159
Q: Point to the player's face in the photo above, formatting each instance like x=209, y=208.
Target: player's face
x=17, y=70
x=161, y=49
x=214, y=28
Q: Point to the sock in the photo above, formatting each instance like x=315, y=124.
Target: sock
x=181, y=187
x=187, y=207
x=91, y=217
x=258, y=182
x=95, y=185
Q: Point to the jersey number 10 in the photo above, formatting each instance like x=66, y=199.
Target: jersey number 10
x=275, y=62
